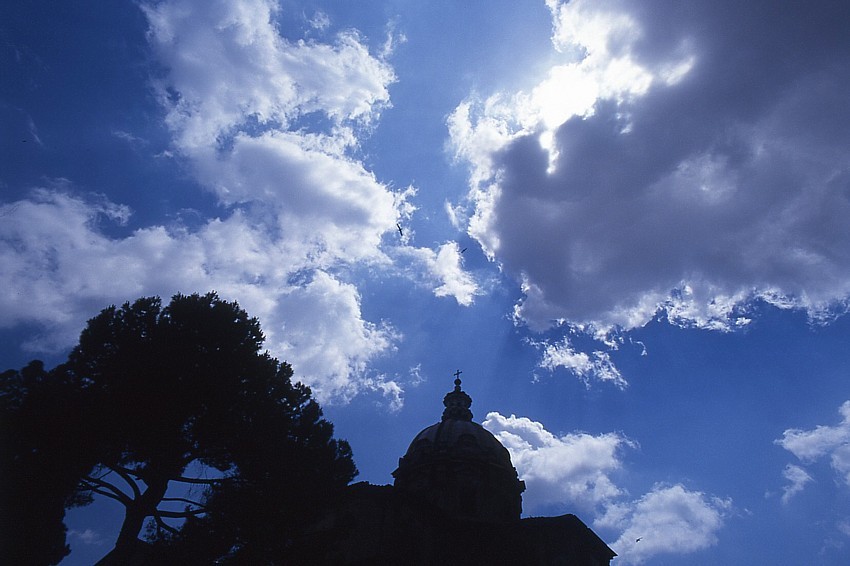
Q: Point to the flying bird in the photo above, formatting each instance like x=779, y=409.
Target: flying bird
x=400, y=231
x=638, y=539
x=463, y=250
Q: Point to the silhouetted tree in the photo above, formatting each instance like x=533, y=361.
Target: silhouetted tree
x=170, y=390
x=41, y=462
x=265, y=513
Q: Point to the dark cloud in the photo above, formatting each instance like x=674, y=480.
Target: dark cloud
x=728, y=181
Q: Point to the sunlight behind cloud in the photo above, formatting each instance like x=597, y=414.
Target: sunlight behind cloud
x=652, y=185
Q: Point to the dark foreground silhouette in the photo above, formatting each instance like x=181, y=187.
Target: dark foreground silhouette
x=217, y=457
x=150, y=394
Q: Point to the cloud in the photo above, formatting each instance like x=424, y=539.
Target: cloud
x=392, y=391
x=272, y=122
x=61, y=269
x=327, y=205
x=271, y=126
x=323, y=333
x=87, y=536
x=577, y=469
x=670, y=160
x=798, y=478
x=811, y=445
x=442, y=271
x=596, y=365
x=667, y=520
x=50, y=250
x=232, y=68
x=320, y=21
x=571, y=469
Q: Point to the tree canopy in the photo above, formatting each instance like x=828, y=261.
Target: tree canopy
x=41, y=462
x=150, y=395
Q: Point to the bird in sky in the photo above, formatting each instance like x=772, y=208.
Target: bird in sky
x=638, y=539
x=400, y=231
x=463, y=250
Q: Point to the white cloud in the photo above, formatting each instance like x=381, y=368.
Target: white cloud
x=577, y=469
x=322, y=332
x=840, y=461
x=596, y=365
x=272, y=123
x=61, y=269
x=392, y=391
x=454, y=281
x=243, y=94
x=809, y=445
x=50, y=250
x=271, y=126
x=667, y=520
x=574, y=468
x=87, y=536
x=442, y=270
x=822, y=441
x=658, y=175
x=320, y=21
x=327, y=205
x=798, y=478
x=231, y=66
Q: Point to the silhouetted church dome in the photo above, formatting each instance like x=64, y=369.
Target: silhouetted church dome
x=462, y=439
x=456, y=500
x=460, y=467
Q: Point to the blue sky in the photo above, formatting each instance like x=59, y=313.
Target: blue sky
x=625, y=222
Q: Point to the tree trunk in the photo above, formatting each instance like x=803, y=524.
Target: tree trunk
x=129, y=549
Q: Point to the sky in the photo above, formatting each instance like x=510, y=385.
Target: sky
x=626, y=223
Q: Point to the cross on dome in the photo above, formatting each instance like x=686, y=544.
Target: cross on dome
x=457, y=402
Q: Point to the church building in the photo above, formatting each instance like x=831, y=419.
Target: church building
x=456, y=499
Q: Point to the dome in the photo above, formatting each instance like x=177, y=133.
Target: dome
x=457, y=438
x=460, y=467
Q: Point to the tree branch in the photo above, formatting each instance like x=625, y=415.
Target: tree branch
x=137, y=471
x=125, y=475
x=105, y=494
x=180, y=514
x=87, y=482
x=184, y=500
x=163, y=525
x=198, y=480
